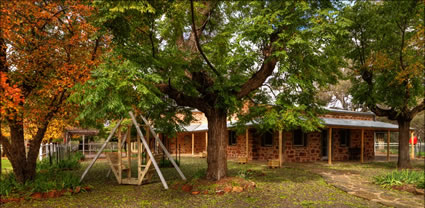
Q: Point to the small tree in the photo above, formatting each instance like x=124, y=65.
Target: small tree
x=386, y=46
x=45, y=49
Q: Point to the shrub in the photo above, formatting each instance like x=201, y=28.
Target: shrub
x=400, y=178
x=43, y=182
x=68, y=163
x=48, y=177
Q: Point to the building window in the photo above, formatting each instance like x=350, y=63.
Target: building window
x=344, y=137
x=299, y=138
x=187, y=139
x=232, y=138
x=267, y=139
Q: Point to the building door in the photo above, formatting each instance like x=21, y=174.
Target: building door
x=324, y=144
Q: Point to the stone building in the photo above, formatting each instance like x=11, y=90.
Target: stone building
x=346, y=131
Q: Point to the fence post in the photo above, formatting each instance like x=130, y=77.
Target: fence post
x=40, y=154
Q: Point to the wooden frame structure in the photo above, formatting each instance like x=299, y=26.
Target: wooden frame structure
x=144, y=171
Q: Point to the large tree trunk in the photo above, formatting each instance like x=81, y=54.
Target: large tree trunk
x=23, y=165
x=403, y=147
x=217, y=144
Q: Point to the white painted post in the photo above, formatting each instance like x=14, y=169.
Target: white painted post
x=40, y=154
x=47, y=149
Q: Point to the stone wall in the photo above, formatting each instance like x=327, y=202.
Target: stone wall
x=309, y=153
x=260, y=152
x=184, y=140
x=238, y=150
x=341, y=153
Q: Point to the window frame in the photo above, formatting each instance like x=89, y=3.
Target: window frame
x=232, y=135
x=264, y=136
x=303, y=138
x=345, y=136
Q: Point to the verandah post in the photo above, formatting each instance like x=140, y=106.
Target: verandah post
x=193, y=143
x=280, y=148
x=330, y=147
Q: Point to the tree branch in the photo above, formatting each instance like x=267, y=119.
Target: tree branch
x=259, y=77
x=182, y=99
x=198, y=46
x=96, y=46
x=390, y=113
x=417, y=109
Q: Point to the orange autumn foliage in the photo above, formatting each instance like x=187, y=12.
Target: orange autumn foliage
x=50, y=47
x=46, y=48
x=10, y=96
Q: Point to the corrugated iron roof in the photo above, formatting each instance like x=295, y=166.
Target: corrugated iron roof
x=327, y=121
x=358, y=123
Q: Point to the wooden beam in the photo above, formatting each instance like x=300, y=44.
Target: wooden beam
x=388, y=145
x=129, y=152
x=247, y=143
x=165, y=149
x=139, y=158
x=148, y=151
x=119, y=156
x=193, y=143
x=84, y=138
x=148, y=139
x=412, y=154
x=362, y=147
x=330, y=146
x=206, y=141
x=280, y=148
x=100, y=151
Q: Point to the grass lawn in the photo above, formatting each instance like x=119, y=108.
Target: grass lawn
x=5, y=165
x=284, y=187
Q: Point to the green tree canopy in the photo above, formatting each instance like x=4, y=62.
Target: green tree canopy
x=386, y=47
x=214, y=56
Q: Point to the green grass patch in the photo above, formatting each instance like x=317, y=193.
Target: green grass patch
x=55, y=176
x=5, y=164
x=398, y=178
x=420, y=154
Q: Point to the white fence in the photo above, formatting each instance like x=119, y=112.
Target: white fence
x=55, y=150
x=381, y=147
